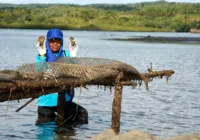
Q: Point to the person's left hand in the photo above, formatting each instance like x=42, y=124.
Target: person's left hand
x=42, y=51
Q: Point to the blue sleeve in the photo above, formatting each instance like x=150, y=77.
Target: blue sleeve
x=40, y=58
x=67, y=53
x=41, y=64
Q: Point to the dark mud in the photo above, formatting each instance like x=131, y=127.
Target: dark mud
x=193, y=40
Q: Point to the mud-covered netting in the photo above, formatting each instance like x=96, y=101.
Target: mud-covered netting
x=34, y=79
x=85, y=69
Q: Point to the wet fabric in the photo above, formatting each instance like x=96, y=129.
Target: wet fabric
x=74, y=113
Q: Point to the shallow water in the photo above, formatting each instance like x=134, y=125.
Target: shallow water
x=166, y=110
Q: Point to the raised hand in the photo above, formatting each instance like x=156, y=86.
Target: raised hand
x=41, y=46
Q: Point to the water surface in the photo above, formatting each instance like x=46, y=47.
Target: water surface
x=166, y=110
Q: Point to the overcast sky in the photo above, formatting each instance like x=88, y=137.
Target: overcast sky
x=89, y=1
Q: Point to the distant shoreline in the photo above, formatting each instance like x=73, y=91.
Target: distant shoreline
x=193, y=31
x=85, y=28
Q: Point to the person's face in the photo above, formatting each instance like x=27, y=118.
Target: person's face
x=55, y=44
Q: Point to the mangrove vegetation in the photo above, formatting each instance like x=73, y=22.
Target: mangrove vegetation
x=147, y=16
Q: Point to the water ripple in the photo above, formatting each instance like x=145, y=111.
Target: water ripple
x=166, y=110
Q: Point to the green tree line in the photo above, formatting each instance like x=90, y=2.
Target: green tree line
x=147, y=16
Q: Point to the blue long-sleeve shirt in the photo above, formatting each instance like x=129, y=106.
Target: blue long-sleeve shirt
x=51, y=100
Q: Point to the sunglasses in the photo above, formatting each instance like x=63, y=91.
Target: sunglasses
x=55, y=40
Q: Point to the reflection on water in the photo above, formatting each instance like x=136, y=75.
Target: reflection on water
x=51, y=130
x=166, y=110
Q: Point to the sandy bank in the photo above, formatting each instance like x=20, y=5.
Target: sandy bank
x=140, y=135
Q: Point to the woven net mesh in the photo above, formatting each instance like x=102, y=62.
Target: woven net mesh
x=36, y=79
x=85, y=69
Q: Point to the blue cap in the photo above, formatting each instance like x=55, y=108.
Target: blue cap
x=54, y=33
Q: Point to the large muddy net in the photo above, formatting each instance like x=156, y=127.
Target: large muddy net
x=39, y=78
x=84, y=69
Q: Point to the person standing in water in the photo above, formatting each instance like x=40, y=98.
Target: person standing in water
x=47, y=104
x=73, y=47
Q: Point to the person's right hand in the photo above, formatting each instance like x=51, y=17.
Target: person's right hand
x=41, y=45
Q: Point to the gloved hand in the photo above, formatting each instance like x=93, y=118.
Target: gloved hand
x=72, y=41
x=41, y=45
x=42, y=51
